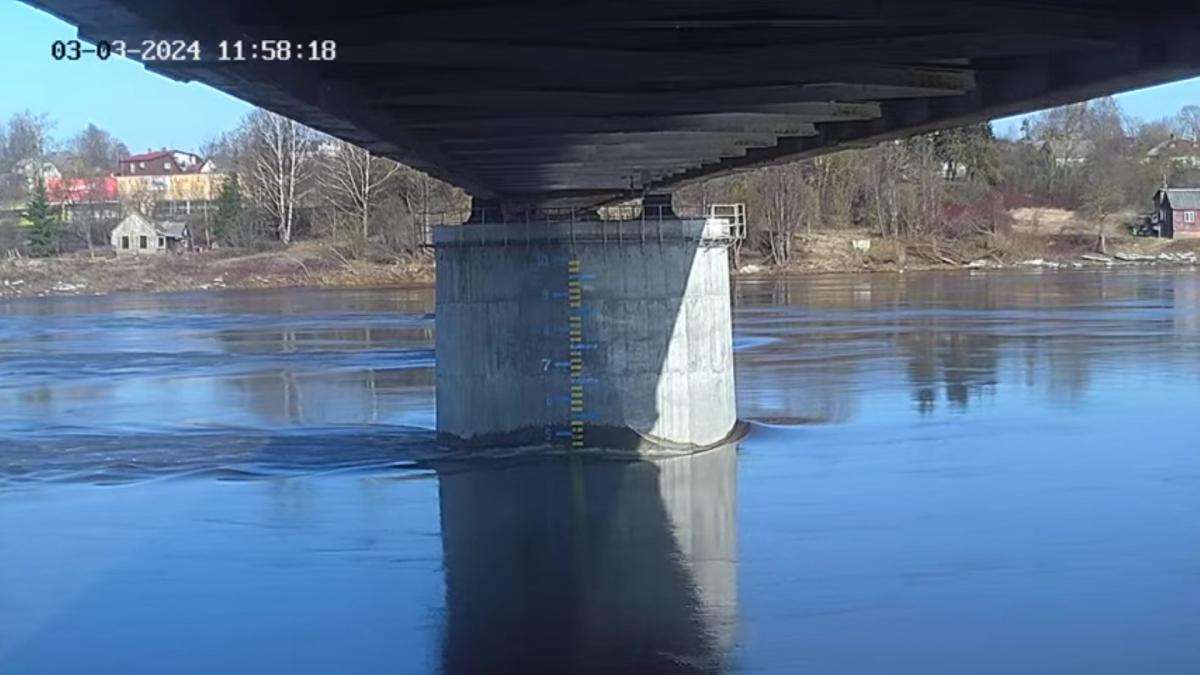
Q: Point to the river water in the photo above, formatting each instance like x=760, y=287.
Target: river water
x=946, y=473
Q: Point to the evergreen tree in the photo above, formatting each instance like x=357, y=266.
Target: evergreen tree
x=982, y=154
x=227, y=221
x=969, y=152
x=43, y=233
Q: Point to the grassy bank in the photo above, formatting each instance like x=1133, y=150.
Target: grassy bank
x=1051, y=238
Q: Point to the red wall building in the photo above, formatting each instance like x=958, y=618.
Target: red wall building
x=1177, y=212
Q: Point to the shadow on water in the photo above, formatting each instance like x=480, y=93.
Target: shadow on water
x=570, y=565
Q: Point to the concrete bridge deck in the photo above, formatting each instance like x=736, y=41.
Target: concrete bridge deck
x=553, y=102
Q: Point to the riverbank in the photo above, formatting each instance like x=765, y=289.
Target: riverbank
x=859, y=252
x=317, y=264
x=305, y=264
x=1032, y=237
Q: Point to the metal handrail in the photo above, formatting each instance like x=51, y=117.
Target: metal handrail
x=722, y=225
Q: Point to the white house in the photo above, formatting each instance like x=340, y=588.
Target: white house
x=33, y=170
x=137, y=235
x=1068, y=151
x=1179, y=151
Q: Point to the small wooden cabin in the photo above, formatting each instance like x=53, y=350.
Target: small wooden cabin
x=1176, y=213
x=138, y=235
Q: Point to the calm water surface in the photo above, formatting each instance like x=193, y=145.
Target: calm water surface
x=948, y=473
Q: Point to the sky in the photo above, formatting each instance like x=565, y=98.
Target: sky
x=146, y=110
x=142, y=109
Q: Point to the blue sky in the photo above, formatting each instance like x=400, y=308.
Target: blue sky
x=142, y=109
x=149, y=111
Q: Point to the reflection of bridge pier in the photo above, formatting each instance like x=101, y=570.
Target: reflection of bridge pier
x=570, y=565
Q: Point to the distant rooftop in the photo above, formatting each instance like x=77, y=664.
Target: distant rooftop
x=1175, y=147
x=164, y=162
x=171, y=228
x=149, y=156
x=1183, y=198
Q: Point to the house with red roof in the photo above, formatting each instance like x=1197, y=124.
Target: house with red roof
x=164, y=163
x=166, y=175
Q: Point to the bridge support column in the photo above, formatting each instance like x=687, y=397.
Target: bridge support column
x=584, y=333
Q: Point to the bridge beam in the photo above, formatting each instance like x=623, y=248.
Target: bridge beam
x=500, y=97
x=581, y=332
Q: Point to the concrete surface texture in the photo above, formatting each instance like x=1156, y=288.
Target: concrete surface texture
x=611, y=335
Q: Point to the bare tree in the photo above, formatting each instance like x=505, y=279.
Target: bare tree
x=279, y=164
x=922, y=168
x=352, y=182
x=28, y=138
x=1188, y=121
x=90, y=205
x=25, y=143
x=416, y=202
x=224, y=149
x=87, y=191
x=1105, y=120
x=782, y=190
x=1106, y=178
x=96, y=151
x=1149, y=133
x=883, y=172
x=93, y=213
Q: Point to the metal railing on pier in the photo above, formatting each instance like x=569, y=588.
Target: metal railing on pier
x=722, y=225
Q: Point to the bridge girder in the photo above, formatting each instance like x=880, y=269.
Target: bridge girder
x=582, y=101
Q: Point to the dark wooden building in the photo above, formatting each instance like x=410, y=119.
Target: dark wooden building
x=1176, y=213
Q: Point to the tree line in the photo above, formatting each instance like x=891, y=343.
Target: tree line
x=281, y=181
x=286, y=181
x=961, y=183
x=26, y=144
x=27, y=139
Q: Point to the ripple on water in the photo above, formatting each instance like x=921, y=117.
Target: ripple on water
x=231, y=455
x=742, y=343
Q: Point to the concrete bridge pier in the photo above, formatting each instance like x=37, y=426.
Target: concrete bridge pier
x=581, y=332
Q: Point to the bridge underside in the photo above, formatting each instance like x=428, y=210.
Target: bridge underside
x=552, y=102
